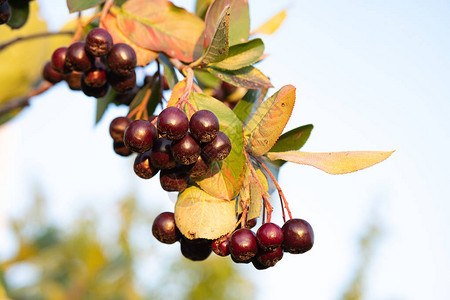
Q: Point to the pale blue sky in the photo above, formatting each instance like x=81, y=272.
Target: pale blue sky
x=370, y=75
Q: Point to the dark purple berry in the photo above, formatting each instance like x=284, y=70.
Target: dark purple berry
x=243, y=245
x=199, y=169
x=59, y=59
x=77, y=59
x=164, y=228
x=122, y=84
x=117, y=127
x=258, y=265
x=298, y=236
x=221, y=246
x=50, y=74
x=269, y=236
x=161, y=155
x=95, y=77
x=204, y=126
x=251, y=223
x=96, y=92
x=121, y=149
x=73, y=80
x=139, y=136
x=172, y=123
x=196, y=250
x=98, y=42
x=218, y=149
x=172, y=180
x=186, y=151
x=5, y=13
x=271, y=257
x=143, y=167
x=121, y=59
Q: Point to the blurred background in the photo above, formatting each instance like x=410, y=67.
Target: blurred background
x=75, y=222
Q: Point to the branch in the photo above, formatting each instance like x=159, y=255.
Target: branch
x=33, y=36
x=24, y=100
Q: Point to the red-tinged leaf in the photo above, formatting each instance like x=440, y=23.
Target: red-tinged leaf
x=201, y=6
x=272, y=24
x=200, y=215
x=248, y=77
x=144, y=56
x=213, y=18
x=79, y=5
x=239, y=22
x=158, y=25
x=333, y=162
x=177, y=92
x=267, y=123
x=217, y=47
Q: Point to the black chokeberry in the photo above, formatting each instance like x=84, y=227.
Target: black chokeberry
x=298, y=236
x=204, y=126
x=50, y=74
x=59, y=60
x=95, y=77
x=121, y=149
x=139, y=136
x=143, y=167
x=117, y=128
x=122, y=83
x=269, y=236
x=98, y=42
x=161, y=155
x=5, y=13
x=172, y=123
x=270, y=257
x=77, y=59
x=199, y=169
x=164, y=228
x=96, y=92
x=186, y=151
x=218, y=149
x=221, y=246
x=73, y=80
x=172, y=180
x=196, y=250
x=243, y=245
x=121, y=59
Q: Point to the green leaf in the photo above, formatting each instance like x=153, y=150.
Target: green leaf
x=269, y=120
x=251, y=193
x=102, y=105
x=200, y=215
x=239, y=22
x=333, y=162
x=224, y=179
x=213, y=18
x=201, y=6
x=169, y=71
x=248, y=77
x=245, y=106
x=79, y=5
x=155, y=98
x=206, y=79
x=159, y=25
x=20, y=10
x=272, y=24
x=242, y=55
x=218, y=43
x=293, y=139
x=140, y=96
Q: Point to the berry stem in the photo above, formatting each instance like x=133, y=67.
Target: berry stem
x=34, y=36
x=280, y=191
x=79, y=33
x=184, y=99
x=141, y=108
x=105, y=10
x=24, y=100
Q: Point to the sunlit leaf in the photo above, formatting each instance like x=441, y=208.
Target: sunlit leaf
x=293, y=139
x=272, y=24
x=242, y=55
x=245, y=106
x=214, y=17
x=177, y=91
x=269, y=120
x=79, y=5
x=333, y=162
x=200, y=215
x=256, y=193
x=248, y=77
x=239, y=22
x=206, y=79
x=158, y=25
x=144, y=56
x=201, y=6
x=217, y=43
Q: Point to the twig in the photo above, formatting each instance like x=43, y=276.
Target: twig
x=33, y=36
x=24, y=100
x=105, y=10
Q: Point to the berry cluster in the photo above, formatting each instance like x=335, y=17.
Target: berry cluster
x=179, y=147
x=5, y=12
x=263, y=249
x=94, y=65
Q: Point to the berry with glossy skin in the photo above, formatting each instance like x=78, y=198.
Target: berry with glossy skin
x=196, y=250
x=96, y=92
x=173, y=180
x=243, y=245
x=161, y=155
x=218, y=149
x=221, y=246
x=186, y=151
x=121, y=149
x=164, y=228
x=117, y=128
x=258, y=265
x=77, y=59
x=121, y=59
x=298, y=236
x=73, y=80
x=59, y=60
x=199, y=169
x=122, y=84
x=269, y=236
x=98, y=42
x=271, y=257
x=143, y=167
x=50, y=74
x=172, y=123
x=5, y=13
x=204, y=126
x=95, y=77
x=139, y=136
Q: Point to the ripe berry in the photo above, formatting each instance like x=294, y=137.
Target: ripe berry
x=298, y=236
x=251, y=223
x=117, y=128
x=95, y=77
x=143, y=167
x=164, y=228
x=122, y=84
x=199, y=169
x=77, y=58
x=258, y=265
x=161, y=155
x=172, y=123
x=172, y=180
x=98, y=42
x=196, y=250
x=271, y=257
x=121, y=149
x=5, y=13
x=121, y=59
x=50, y=74
x=243, y=245
x=186, y=151
x=218, y=149
x=96, y=92
x=139, y=136
x=269, y=236
x=221, y=246
x=73, y=80
x=59, y=59
x=204, y=126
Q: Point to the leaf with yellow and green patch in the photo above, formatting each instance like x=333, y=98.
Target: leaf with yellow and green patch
x=239, y=22
x=267, y=123
x=247, y=77
x=79, y=5
x=254, y=209
x=177, y=91
x=242, y=55
x=201, y=215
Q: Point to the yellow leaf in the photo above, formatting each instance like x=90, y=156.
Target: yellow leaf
x=272, y=24
x=333, y=162
x=177, y=92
